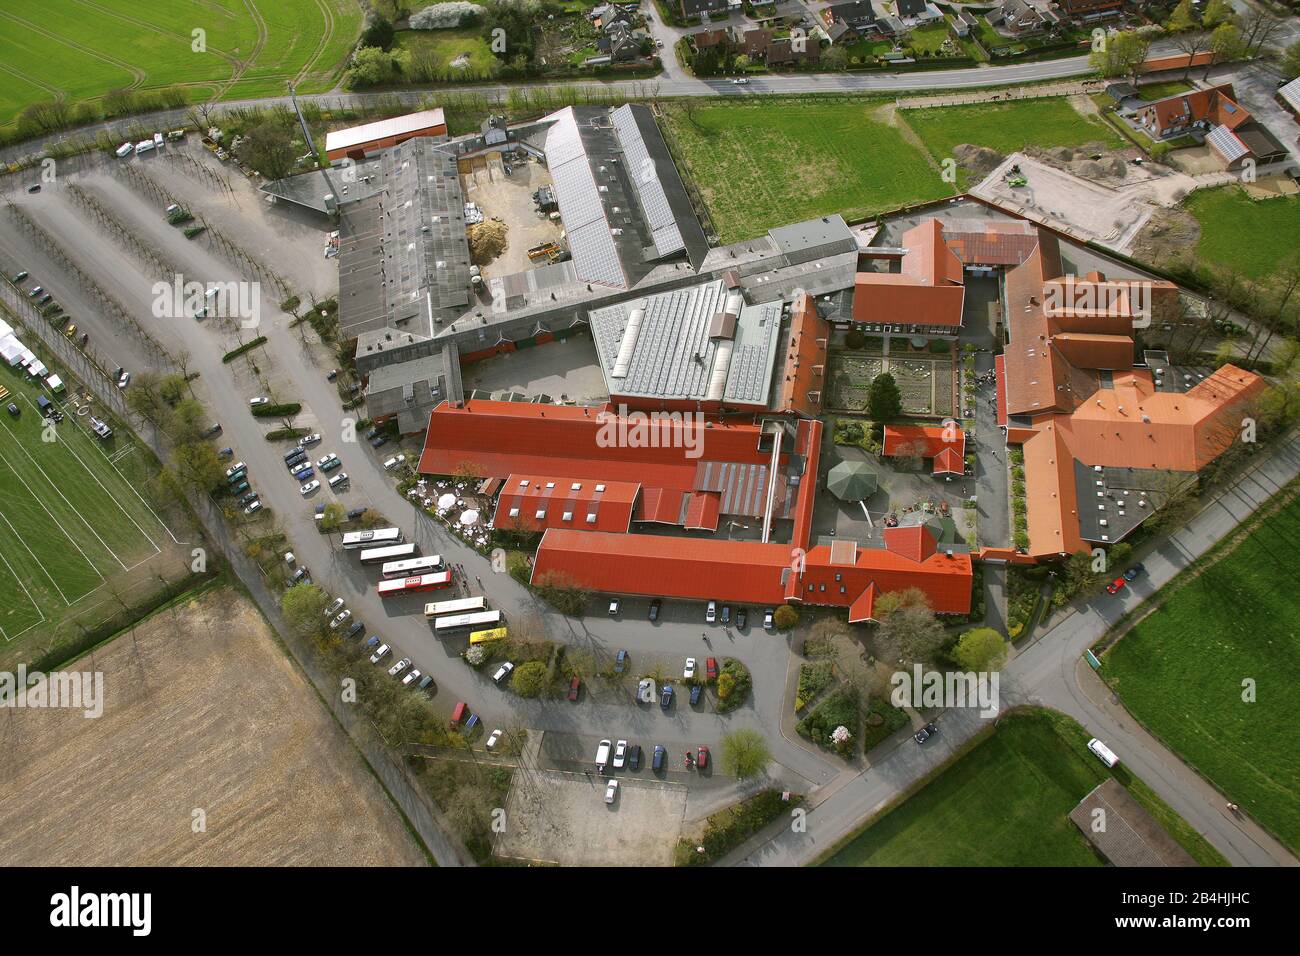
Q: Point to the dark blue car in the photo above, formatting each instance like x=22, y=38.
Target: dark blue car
x=666, y=698
x=620, y=662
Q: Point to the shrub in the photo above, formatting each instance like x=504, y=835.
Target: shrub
x=733, y=685
x=275, y=411
x=246, y=347
x=785, y=617
x=529, y=679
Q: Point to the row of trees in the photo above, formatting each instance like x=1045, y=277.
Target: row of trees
x=1219, y=29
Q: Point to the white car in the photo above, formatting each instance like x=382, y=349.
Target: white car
x=322, y=462
x=620, y=754
x=400, y=666
x=711, y=613
x=413, y=675
x=394, y=462
x=689, y=670
x=124, y=380
x=309, y=487
x=493, y=738
x=502, y=672
x=611, y=791
x=234, y=468
x=739, y=81
x=259, y=400
x=125, y=150
x=253, y=508
x=338, y=621
x=379, y=653
x=306, y=440
x=334, y=607
x=339, y=480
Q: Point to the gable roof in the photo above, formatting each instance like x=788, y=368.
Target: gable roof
x=534, y=503
x=928, y=289
x=924, y=441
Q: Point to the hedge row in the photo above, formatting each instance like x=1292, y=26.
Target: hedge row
x=246, y=347
x=275, y=411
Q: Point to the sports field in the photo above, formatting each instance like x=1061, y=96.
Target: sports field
x=75, y=50
x=1007, y=127
x=76, y=532
x=1007, y=803
x=1183, y=671
x=766, y=164
x=1246, y=235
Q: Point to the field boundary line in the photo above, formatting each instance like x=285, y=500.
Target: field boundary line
x=30, y=599
x=111, y=497
x=40, y=564
x=135, y=442
x=56, y=521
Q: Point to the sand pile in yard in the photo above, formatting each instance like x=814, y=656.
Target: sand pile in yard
x=487, y=240
x=979, y=161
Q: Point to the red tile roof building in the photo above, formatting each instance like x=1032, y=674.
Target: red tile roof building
x=944, y=444
x=1216, y=106
x=531, y=503
x=928, y=291
x=1069, y=393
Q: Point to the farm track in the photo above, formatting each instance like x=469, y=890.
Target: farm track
x=154, y=28
x=135, y=71
x=327, y=34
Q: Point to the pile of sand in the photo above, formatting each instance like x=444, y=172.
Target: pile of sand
x=487, y=240
x=979, y=161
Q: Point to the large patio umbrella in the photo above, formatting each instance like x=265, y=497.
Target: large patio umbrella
x=851, y=481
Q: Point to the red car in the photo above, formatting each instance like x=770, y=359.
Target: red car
x=1116, y=586
x=711, y=669
x=573, y=688
x=702, y=758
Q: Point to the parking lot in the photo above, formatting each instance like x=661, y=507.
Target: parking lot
x=563, y=818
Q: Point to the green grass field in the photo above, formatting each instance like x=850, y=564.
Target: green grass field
x=74, y=523
x=1180, y=671
x=765, y=164
x=1007, y=803
x=1248, y=236
x=433, y=52
x=77, y=50
x=1007, y=127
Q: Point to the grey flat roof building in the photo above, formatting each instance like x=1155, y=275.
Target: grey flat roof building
x=701, y=343
x=813, y=239
x=412, y=389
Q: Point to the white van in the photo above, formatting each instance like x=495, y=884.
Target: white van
x=158, y=140
x=1104, y=753
x=144, y=146
x=338, y=480
x=125, y=150
x=602, y=755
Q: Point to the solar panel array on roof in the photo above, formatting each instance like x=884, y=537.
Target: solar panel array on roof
x=644, y=173
x=595, y=254
x=1227, y=143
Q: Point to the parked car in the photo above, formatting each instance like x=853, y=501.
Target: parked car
x=309, y=488
x=338, y=621
x=355, y=628
x=303, y=472
x=1102, y=752
x=249, y=498
x=213, y=429
x=711, y=612
x=654, y=609
x=726, y=614
x=237, y=466
x=254, y=508
x=306, y=440
x=294, y=455
x=613, y=608
x=657, y=763
x=1117, y=585
x=379, y=653
x=689, y=670
x=13, y=410
x=412, y=675
x=425, y=681
x=334, y=607
x=240, y=488
x=36, y=290
x=493, y=737
x=634, y=757
x=702, y=758
x=299, y=576
x=258, y=401
x=1132, y=573
x=742, y=618
x=379, y=442
x=711, y=668
x=226, y=453
x=611, y=791
x=502, y=672
x=324, y=463
x=339, y=480
x=573, y=688
x=695, y=694
x=925, y=733
x=666, y=697
x=400, y=666
x=645, y=691
x=620, y=754
x=18, y=277
x=620, y=662
x=371, y=641
x=767, y=618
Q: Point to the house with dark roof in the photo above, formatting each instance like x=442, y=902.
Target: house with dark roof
x=1019, y=18
x=858, y=15
x=696, y=8
x=914, y=12
x=1089, y=10
x=1196, y=110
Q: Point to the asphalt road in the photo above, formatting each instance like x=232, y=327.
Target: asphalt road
x=1051, y=673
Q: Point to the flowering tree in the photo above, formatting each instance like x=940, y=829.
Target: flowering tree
x=840, y=736
x=445, y=16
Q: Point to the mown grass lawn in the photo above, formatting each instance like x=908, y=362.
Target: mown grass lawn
x=1006, y=127
x=434, y=51
x=1181, y=672
x=1006, y=803
x=1248, y=236
x=759, y=165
